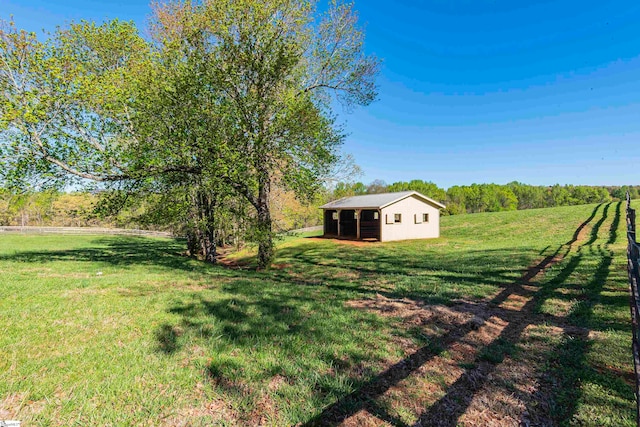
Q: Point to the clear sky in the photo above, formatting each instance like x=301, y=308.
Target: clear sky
x=537, y=91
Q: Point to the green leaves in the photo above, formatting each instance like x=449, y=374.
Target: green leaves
x=232, y=97
x=65, y=100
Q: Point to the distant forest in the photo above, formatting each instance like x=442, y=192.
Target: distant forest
x=83, y=209
x=475, y=198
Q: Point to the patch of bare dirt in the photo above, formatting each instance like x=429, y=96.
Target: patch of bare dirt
x=223, y=259
x=18, y=406
x=357, y=243
x=276, y=382
x=264, y=413
x=363, y=418
x=412, y=312
x=211, y=411
x=198, y=409
x=511, y=393
x=228, y=262
x=515, y=302
x=11, y=405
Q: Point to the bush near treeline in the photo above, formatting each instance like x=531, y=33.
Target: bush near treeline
x=475, y=198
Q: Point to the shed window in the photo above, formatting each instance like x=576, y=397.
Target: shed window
x=376, y=215
x=334, y=216
x=397, y=218
x=417, y=218
x=425, y=217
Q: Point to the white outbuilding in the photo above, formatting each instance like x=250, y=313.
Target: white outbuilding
x=384, y=217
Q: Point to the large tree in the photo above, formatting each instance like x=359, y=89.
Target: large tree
x=230, y=97
x=270, y=69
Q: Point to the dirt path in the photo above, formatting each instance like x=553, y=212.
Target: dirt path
x=346, y=242
x=477, y=382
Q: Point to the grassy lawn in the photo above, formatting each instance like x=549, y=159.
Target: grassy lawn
x=509, y=317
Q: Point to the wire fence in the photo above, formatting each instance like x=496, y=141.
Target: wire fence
x=633, y=258
x=83, y=230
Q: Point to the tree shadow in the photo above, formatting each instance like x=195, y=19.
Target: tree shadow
x=167, y=338
x=119, y=251
x=294, y=300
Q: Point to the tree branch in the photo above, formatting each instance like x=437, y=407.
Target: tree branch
x=243, y=190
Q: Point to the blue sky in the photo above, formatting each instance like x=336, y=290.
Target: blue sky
x=537, y=91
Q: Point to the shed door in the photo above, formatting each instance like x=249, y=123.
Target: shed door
x=370, y=224
x=348, y=223
x=331, y=223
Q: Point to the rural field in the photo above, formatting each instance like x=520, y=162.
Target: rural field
x=508, y=318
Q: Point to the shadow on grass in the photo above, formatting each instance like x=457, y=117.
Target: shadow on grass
x=167, y=338
x=120, y=251
x=568, y=366
x=299, y=306
x=249, y=319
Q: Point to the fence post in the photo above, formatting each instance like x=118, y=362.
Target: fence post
x=633, y=263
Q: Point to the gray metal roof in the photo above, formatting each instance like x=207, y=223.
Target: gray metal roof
x=377, y=201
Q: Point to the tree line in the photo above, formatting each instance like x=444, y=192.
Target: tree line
x=86, y=209
x=475, y=198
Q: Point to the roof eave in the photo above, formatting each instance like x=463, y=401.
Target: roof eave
x=413, y=193
x=325, y=207
x=421, y=196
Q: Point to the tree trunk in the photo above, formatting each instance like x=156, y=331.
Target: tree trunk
x=208, y=227
x=193, y=243
x=208, y=244
x=265, y=237
x=202, y=238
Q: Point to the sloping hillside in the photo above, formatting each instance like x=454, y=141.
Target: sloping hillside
x=509, y=317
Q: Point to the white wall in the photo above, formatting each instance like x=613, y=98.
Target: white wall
x=408, y=229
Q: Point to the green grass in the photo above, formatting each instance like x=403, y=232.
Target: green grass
x=125, y=331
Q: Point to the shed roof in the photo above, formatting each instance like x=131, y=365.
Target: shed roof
x=377, y=201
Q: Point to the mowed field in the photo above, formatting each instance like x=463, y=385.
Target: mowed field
x=515, y=317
